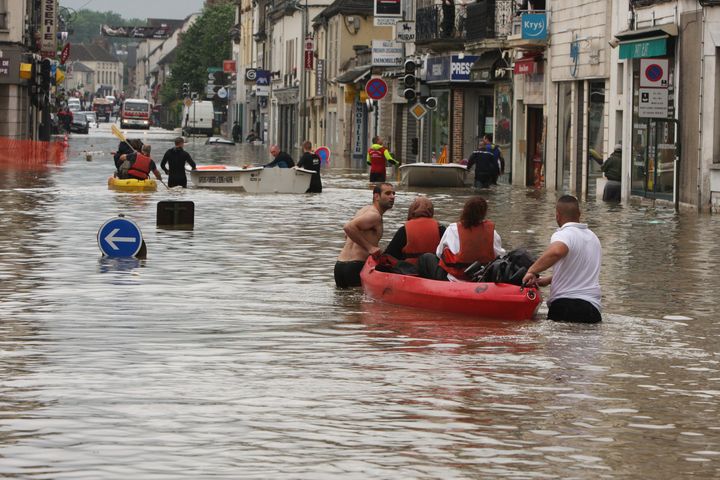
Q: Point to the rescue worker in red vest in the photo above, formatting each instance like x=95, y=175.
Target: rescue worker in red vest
x=377, y=158
x=139, y=165
x=420, y=234
x=472, y=239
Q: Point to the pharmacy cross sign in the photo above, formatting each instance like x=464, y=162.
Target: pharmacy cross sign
x=376, y=88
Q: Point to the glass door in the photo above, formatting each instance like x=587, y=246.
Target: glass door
x=654, y=151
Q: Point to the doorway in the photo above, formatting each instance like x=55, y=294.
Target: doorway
x=534, y=155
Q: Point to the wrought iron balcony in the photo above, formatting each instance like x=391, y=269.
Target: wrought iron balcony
x=647, y=3
x=435, y=23
x=485, y=19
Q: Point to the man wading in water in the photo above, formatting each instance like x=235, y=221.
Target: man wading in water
x=363, y=234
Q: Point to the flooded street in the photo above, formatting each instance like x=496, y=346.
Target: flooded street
x=229, y=353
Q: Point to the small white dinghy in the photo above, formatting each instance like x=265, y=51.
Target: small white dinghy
x=433, y=175
x=252, y=179
x=218, y=141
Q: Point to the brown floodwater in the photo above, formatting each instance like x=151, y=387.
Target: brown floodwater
x=229, y=353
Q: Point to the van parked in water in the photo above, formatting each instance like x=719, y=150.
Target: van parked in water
x=198, y=118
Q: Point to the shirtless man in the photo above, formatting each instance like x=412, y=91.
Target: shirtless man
x=363, y=235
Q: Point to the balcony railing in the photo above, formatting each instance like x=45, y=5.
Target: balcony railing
x=647, y=3
x=485, y=19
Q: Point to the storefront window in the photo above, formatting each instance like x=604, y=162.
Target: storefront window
x=440, y=123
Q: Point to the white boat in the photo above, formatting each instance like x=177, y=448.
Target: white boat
x=252, y=179
x=433, y=175
x=218, y=141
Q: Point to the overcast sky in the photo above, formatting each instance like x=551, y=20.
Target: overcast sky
x=139, y=8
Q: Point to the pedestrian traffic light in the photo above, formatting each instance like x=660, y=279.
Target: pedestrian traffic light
x=186, y=90
x=409, y=80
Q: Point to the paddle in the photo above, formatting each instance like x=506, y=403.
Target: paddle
x=118, y=133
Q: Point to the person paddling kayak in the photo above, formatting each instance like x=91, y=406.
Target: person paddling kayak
x=363, y=234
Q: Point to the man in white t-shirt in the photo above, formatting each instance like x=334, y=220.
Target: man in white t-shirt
x=575, y=255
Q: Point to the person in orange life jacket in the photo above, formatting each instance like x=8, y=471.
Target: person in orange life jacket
x=129, y=146
x=281, y=159
x=420, y=234
x=362, y=237
x=141, y=164
x=472, y=239
x=377, y=158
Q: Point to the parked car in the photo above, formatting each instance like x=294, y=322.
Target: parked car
x=79, y=123
x=91, y=118
x=74, y=104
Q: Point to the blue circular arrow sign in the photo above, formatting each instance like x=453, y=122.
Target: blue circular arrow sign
x=119, y=237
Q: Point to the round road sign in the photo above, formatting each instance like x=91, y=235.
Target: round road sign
x=324, y=154
x=119, y=237
x=376, y=88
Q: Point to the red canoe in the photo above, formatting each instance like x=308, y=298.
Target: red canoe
x=486, y=300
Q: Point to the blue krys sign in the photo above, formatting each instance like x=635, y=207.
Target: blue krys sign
x=460, y=67
x=534, y=26
x=119, y=237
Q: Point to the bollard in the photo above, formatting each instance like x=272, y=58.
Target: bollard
x=176, y=215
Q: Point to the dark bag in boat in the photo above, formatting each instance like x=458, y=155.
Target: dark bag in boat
x=390, y=264
x=510, y=268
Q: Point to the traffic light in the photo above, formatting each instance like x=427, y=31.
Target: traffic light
x=45, y=71
x=431, y=103
x=186, y=90
x=409, y=80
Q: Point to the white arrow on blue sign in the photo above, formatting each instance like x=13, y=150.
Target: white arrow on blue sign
x=119, y=237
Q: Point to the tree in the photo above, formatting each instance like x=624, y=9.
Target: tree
x=205, y=44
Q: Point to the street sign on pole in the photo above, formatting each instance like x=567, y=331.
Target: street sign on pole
x=119, y=237
x=418, y=111
x=376, y=88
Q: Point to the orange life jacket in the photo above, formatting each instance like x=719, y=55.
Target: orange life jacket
x=476, y=245
x=140, y=167
x=377, y=159
x=423, y=236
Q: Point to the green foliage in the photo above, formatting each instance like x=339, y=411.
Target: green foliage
x=205, y=44
x=85, y=25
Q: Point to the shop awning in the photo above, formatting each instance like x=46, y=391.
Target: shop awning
x=482, y=69
x=645, y=42
x=354, y=75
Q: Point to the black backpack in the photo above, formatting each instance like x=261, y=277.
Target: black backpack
x=510, y=268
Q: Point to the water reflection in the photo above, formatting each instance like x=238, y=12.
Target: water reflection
x=229, y=353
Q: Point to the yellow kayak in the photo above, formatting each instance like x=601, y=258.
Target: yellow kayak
x=132, y=184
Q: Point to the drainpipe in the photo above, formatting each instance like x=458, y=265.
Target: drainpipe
x=700, y=121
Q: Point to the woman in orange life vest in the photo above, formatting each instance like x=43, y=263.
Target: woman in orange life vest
x=140, y=164
x=472, y=239
x=420, y=234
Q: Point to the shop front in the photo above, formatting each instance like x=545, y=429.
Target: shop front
x=468, y=107
x=655, y=146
